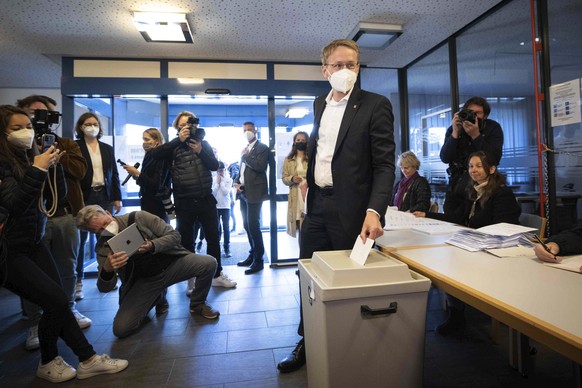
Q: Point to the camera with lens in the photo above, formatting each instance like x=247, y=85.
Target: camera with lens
x=43, y=120
x=165, y=195
x=195, y=132
x=467, y=115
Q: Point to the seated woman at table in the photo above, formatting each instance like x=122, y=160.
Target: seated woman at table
x=567, y=242
x=489, y=201
x=412, y=192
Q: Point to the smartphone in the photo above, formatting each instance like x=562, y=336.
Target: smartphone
x=48, y=139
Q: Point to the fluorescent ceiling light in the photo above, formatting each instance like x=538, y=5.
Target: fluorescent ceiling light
x=375, y=35
x=163, y=27
x=191, y=81
x=296, y=113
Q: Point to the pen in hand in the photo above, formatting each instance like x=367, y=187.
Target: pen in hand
x=547, y=248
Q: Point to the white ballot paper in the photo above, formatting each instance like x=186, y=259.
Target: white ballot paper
x=361, y=251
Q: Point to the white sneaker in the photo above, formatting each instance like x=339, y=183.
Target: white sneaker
x=32, y=339
x=191, y=286
x=56, y=371
x=223, y=281
x=82, y=320
x=100, y=365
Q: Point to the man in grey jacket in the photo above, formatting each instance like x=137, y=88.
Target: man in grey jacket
x=159, y=262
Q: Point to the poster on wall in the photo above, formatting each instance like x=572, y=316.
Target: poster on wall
x=565, y=100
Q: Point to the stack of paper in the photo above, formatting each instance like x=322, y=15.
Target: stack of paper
x=502, y=235
x=397, y=220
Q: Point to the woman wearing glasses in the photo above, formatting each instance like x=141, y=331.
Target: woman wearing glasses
x=100, y=185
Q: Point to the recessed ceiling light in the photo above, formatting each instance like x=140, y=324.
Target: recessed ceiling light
x=163, y=27
x=375, y=35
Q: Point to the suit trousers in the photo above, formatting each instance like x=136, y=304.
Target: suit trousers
x=251, y=215
x=322, y=231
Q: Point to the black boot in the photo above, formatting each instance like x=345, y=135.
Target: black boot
x=293, y=361
x=246, y=262
x=455, y=322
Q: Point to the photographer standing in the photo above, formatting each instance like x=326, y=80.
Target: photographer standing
x=192, y=160
x=470, y=131
x=61, y=234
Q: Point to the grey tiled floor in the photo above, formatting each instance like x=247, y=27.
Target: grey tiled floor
x=257, y=327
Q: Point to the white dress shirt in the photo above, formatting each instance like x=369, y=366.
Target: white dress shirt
x=328, y=131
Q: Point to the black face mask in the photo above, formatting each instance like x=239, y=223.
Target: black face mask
x=301, y=146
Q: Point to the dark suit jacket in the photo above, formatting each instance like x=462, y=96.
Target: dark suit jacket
x=363, y=160
x=255, y=187
x=110, y=173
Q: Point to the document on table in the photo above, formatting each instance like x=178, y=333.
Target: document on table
x=569, y=263
x=517, y=251
x=397, y=220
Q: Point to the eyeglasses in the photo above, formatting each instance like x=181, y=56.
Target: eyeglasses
x=339, y=66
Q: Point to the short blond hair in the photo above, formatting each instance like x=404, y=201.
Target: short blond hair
x=327, y=50
x=408, y=158
x=86, y=214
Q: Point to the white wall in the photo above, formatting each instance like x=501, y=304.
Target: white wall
x=9, y=96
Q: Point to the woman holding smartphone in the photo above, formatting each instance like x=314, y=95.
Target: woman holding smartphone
x=26, y=265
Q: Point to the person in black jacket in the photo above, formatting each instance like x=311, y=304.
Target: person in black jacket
x=411, y=193
x=471, y=131
x=26, y=266
x=488, y=201
x=567, y=242
x=192, y=160
x=154, y=178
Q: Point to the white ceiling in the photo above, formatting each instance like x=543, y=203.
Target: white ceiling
x=35, y=34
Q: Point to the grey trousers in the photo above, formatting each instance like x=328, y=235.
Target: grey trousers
x=144, y=292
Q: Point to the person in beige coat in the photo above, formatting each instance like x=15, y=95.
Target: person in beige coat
x=294, y=170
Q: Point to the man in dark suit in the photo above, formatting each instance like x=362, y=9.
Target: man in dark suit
x=350, y=173
x=252, y=186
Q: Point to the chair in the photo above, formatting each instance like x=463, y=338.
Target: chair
x=534, y=221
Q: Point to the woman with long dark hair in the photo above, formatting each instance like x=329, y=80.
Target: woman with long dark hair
x=294, y=172
x=26, y=266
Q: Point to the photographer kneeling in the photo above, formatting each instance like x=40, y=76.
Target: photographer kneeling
x=192, y=160
x=159, y=262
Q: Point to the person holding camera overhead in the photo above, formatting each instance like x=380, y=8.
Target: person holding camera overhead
x=61, y=234
x=192, y=160
x=471, y=131
x=100, y=184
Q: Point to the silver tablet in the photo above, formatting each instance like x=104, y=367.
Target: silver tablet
x=128, y=240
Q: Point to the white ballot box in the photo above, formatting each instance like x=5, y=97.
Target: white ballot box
x=364, y=325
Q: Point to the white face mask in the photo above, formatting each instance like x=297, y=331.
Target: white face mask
x=21, y=139
x=91, y=131
x=111, y=230
x=250, y=135
x=343, y=80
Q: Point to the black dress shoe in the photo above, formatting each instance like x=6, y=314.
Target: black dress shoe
x=254, y=269
x=246, y=262
x=293, y=361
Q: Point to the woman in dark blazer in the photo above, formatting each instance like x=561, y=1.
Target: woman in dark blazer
x=489, y=201
x=100, y=185
x=154, y=177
